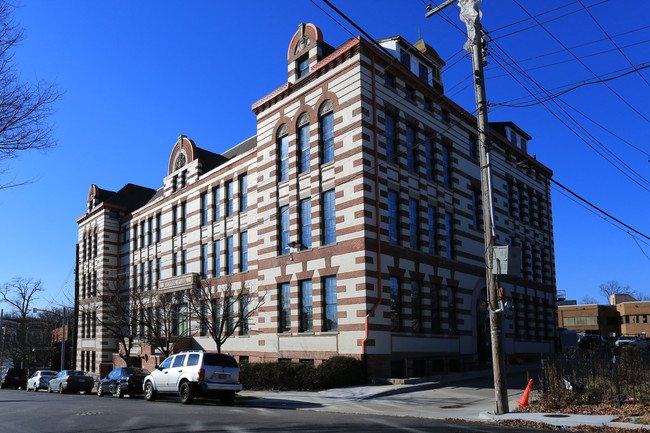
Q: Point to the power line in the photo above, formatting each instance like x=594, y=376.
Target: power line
x=612, y=40
x=583, y=63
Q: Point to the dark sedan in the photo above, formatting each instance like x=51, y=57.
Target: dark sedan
x=121, y=381
x=71, y=381
x=16, y=377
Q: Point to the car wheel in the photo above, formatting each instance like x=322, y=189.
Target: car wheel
x=186, y=393
x=119, y=393
x=35, y=389
x=49, y=388
x=228, y=398
x=100, y=390
x=149, y=392
x=60, y=388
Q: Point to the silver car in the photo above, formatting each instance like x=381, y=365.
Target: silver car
x=40, y=379
x=195, y=374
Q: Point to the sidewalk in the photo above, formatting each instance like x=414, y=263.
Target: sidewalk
x=449, y=396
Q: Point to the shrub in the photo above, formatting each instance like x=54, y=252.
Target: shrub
x=335, y=372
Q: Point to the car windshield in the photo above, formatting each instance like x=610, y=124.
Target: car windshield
x=219, y=360
x=48, y=373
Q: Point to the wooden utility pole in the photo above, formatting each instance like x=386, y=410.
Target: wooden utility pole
x=496, y=313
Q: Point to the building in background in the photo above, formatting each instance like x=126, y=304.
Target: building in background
x=355, y=211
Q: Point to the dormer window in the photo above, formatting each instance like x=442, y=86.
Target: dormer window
x=302, y=66
x=405, y=59
x=424, y=73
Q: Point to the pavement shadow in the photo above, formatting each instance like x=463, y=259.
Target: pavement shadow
x=277, y=403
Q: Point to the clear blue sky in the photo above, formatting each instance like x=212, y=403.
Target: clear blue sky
x=135, y=75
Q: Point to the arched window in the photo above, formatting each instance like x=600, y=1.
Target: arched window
x=283, y=152
x=326, y=115
x=303, y=143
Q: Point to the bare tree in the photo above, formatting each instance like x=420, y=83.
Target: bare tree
x=161, y=318
x=24, y=108
x=587, y=299
x=21, y=293
x=115, y=319
x=614, y=288
x=220, y=310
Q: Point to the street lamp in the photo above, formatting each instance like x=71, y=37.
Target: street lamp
x=63, y=320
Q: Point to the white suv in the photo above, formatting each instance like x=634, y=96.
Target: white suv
x=195, y=374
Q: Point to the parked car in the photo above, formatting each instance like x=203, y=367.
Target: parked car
x=195, y=374
x=71, y=381
x=631, y=341
x=39, y=380
x=587, y=341
x=121, y=381
x=16, y=377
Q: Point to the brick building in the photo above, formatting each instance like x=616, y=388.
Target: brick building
x=360, y=163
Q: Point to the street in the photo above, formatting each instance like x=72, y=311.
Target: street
x=26, y=412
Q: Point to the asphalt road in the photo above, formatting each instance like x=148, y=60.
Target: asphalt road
x=26, y=412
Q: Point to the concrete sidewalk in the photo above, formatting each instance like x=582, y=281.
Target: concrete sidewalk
x=444, y=397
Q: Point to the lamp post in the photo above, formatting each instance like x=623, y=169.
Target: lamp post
x=63, y=320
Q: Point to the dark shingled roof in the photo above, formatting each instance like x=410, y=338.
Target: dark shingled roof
x=242, y=147
x=209, y=160
x=131, y=197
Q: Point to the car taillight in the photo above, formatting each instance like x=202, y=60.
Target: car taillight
x=201, y=374
x=67, y=378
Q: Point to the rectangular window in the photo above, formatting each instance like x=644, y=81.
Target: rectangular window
x=436, y=327
x=302, y=66
x=204, y=208
x=405, y=59
x=175, y=183
x=416, y=307
x=393, y=217
x=327, y=134
x=184, y=263
x=243, y=251
x=158, y=270
x=204, y=260
x=174, y=264
x=306, y=306
x=423, y=73
x=508, y=199
x=395, y=304
x=284, y=230
x=183, y=217
x=446, y=167
x=141, y=281
x=433, y=227
x=284, y=307
x=472, y=148
x=205, y=314
x=411, y=155
x=215, y=203
x=230, y=255
x=329, y=217
x=409, y=93
x=229, y=199
x=158, y=227
x=428, y=105
x=243, y=314
x=330, y=322
x=216, y=258
x=391, y=146
x=452, y=309
x=389, y=80
x=449, y=235
x=174, y=221
x=243, y=192
x=142, y=229
x=475, y=209
x=150, y=231
x=283, y=163
x=414, y=227
x=428, y=150
x=305, y=223
x=182, y=320
x=150, y=275
x=303, y=149
x=444, y=115
x=135, y=239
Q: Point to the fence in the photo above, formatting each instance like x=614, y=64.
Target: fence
x=599, y=375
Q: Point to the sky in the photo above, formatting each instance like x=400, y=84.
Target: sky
x=136, y=75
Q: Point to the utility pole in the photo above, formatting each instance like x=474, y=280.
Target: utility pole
x=471, y=15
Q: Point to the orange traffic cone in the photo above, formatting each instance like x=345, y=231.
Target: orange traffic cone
x=524, y=398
